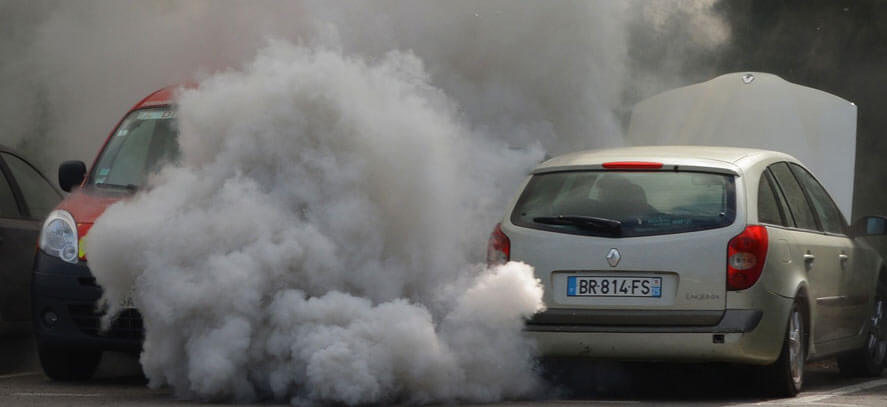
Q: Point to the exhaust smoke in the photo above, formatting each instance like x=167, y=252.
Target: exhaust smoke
x=316, y=240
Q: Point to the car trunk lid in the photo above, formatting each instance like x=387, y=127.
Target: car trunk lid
x=675, y=228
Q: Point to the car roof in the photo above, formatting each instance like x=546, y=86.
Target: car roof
x=163, y=96
x=727, y=159
x=10, y=150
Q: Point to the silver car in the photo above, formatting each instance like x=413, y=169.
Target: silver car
x=697, y=254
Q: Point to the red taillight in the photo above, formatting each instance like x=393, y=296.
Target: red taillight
x=499, y=247
x=746, y=254
x=632, y=165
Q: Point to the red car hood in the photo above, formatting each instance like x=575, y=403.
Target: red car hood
x=87, y=205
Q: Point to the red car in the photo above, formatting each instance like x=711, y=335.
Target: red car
x=64, y=292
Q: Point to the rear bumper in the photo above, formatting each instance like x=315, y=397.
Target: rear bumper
x=581, y=320
x=740, y=336
x=70, y=292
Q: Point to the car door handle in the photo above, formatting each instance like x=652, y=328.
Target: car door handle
x=809, y=257
x=843, y=257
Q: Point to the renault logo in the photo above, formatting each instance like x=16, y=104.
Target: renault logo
x=613, y=257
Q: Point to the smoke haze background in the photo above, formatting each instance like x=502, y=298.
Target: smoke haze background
x=341, y=167
x=560, y=73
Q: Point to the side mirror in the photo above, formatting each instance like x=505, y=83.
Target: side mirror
x=71, y=174
x=870, y=226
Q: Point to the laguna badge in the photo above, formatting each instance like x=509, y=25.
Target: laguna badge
x=613, y=257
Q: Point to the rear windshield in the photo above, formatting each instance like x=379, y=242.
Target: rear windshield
x=145, y=140
x=626, y=204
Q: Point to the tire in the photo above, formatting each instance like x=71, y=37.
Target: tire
x=785, y=377
x=869, y=360
x=65, y=365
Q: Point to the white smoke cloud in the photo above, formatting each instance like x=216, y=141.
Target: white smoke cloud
x=316, y=241
x=673, y=44
x=550, y=72
x=709, y=29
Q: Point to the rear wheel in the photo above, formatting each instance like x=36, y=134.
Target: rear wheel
x=67, y=364
x=785, y=377
x=869, y=360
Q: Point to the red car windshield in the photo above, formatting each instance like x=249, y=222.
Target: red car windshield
x=145, y=140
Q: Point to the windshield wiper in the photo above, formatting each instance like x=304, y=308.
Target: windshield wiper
x=586, y=222
x=128, y=187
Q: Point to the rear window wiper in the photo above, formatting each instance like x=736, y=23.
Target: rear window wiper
x=586, y=222
x=128, y=187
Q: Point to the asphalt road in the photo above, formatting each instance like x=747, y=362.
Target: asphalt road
x=119, y=382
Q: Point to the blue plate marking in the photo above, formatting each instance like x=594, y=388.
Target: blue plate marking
x=571, y=285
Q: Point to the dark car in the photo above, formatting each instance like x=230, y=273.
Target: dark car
x=67, y=327
x=26, y=196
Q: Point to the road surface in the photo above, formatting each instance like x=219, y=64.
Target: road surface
x=119, y=382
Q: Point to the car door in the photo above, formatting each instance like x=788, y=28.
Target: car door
x=851, y=297
x=11, y=228
x=27, y=199
x=820, y=253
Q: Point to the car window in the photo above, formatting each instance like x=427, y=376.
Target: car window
x=797, y=201
x=145, y=140
x=769, y=209
x=40, y=196
x=829, y=215
x=8, y=207
x=642, y=203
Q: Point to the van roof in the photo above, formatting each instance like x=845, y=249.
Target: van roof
x=163, y=96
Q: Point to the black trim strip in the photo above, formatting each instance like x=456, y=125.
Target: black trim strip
x=733, y=321
x=626, y=317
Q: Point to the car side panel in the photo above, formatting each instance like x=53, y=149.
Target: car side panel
x=825, y=275
x=18, y=239
x=784, y=275
x=858, y=284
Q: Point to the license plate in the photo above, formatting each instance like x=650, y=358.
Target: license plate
x=127, y=302
x=578, y=286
